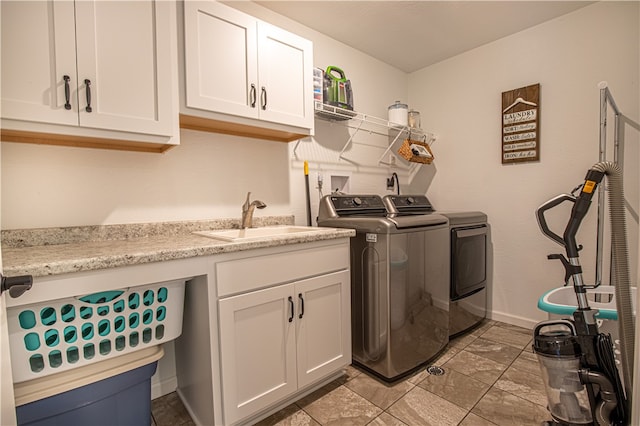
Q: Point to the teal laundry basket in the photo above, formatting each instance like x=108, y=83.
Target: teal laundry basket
x=561, y=302
x=59, y=335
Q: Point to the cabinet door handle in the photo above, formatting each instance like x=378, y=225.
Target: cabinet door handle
x=263, y=97
x=67, y=92
x=87, y=83
x=301, y=305
x=253, y=95
x=291, y=306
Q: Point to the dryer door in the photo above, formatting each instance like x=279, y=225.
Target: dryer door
x=468, y=260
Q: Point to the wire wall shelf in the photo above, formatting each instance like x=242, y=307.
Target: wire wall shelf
x=373, y=125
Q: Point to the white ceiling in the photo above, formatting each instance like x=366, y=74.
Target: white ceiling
x=411, y=35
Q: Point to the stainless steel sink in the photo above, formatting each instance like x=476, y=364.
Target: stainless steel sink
x=259, y=233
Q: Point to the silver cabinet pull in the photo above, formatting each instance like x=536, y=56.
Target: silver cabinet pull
x=87, y=83
x=291, y=305
x=263, y=98
x=252, y=96
x=67, y=92
x=301, y=305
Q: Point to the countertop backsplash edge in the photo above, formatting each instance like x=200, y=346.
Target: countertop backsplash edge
x=19, y=238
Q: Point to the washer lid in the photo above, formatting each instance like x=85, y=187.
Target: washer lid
x=464, y=218
x=416, y=220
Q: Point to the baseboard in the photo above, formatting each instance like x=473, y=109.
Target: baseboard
x=187, y=407
x=513, y=319
x=163, y=387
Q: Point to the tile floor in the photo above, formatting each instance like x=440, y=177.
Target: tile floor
x=491, y=378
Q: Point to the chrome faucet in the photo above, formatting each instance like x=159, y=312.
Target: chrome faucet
x=247, y=211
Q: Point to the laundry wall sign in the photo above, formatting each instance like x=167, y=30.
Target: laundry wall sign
x=521, y=124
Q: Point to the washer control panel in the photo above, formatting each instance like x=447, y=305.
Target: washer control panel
x=342, y=202
x=408, y=203
x=351, y=205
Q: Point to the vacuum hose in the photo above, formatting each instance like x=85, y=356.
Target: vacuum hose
x=608, y=399
x=620, y=267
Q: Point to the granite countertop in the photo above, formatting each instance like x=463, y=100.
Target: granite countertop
x=51, y=251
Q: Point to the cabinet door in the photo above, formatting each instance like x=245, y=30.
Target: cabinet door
x=124, y=51
x=38, y=50
x=220, y=59
x=286, y=77
x=257, y=350
x=324, y=328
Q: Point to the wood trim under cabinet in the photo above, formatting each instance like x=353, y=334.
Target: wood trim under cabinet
x=217, y=126
x=41, y=138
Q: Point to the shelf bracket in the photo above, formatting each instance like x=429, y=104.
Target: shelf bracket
x=386, y=151
x=295, y=149
x=344, y=148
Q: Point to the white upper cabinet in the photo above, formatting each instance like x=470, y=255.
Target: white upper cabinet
x=221, y=59
x=121, y=50
x=244, y=68
x=108, y=66
x=285, y=70
x=38, y=54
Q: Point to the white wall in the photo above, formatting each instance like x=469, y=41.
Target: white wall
x=208, y=175
x=376, y=85
x=460, y=99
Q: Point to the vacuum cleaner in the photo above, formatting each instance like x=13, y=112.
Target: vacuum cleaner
x=578, y=363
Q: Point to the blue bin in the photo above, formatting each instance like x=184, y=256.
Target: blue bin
x=124, y=399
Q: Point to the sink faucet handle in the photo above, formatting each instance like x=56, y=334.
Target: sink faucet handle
x=246, y=204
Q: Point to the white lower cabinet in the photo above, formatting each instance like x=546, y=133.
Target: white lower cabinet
x=280, y=339
x=323, y=327
x=283, y=328
x=257, y=351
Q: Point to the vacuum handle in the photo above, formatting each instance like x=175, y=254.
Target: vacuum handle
x=569, y=269
x=542, y=222
x=566, y=323
x=580, y=209
x=331, y=69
